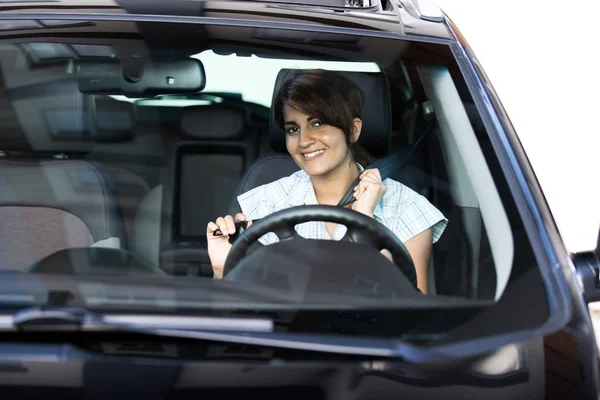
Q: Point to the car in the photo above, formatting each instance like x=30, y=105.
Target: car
x=128, y=127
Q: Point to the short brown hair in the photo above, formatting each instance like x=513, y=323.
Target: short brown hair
x=329, y=96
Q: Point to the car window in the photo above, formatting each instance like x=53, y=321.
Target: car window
x=101, y=183
x=229, y=74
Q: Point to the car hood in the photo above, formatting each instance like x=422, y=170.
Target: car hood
x=548, y=87
x=172, y=370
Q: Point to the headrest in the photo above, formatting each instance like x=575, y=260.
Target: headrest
x=114, y=120
x=84, y=190
x=220, y=122
x=376, y=112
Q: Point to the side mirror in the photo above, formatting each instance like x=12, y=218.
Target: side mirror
x=587, y=265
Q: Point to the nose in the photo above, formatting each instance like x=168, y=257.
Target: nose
x=306, y=138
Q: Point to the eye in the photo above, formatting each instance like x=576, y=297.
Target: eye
x=318, y=124
x=292, y=129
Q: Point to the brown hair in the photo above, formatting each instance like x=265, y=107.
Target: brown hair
x=331, y=97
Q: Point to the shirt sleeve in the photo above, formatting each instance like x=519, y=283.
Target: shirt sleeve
x=416, y=215
x=255, y=205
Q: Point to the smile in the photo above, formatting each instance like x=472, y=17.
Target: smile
x=314, y=154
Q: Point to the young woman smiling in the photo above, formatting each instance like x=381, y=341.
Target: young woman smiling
x=320, y=112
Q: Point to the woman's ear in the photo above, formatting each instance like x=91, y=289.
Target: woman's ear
x=356, y=129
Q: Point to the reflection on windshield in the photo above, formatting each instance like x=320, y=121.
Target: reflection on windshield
x=254, y=77
x=131, y=199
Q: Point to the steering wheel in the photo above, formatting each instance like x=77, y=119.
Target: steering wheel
x=360, y=229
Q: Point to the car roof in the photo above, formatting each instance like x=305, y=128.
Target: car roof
x=399, y=18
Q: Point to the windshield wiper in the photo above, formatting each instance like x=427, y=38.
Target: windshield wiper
x=246, y=331
x=80, y=319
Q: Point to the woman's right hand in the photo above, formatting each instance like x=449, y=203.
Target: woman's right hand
x=219, y=246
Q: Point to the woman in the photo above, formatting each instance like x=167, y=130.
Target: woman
x=320, y=113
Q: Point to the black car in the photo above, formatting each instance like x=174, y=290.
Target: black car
x=127, y=126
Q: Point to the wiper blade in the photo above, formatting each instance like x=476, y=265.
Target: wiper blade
x=247, y=331
x=308, y=342
x=66, y=319
x=79, y=319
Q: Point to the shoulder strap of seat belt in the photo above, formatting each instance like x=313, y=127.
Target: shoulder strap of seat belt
x=386, y=165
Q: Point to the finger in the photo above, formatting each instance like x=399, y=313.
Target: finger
x=372, y=175
x=230, y=224
x=222, y=226
x=364, y=173
x=357, y=190
x=370, y=179
x=376, y=187
x=376, y=172
x=370, y=170
x=240, y=217
x=249, y=223
x=361, y=189
x=210, y=228
x=367, y=185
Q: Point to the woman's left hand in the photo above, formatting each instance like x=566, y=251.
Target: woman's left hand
x=368, y=192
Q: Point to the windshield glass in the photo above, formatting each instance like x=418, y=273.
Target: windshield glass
x=229, y=74
x=130, y=167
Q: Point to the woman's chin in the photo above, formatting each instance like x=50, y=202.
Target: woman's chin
x=322, y=167
x=315, y=170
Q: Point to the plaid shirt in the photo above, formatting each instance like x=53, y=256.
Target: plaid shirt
x=402, y=210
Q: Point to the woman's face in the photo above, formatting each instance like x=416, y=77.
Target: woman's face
x=317, y=148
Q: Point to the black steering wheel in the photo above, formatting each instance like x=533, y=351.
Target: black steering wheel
x=360, y=229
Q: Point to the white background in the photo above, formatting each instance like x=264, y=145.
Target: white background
x=542, y=58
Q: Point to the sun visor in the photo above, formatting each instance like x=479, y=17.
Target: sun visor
x=66, y=122
x=107, y=120
x=217, y=122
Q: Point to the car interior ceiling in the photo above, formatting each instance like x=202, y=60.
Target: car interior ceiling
x=132, y=160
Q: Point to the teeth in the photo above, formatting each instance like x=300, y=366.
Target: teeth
x=314, y=153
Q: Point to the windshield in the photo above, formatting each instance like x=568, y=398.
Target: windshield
x=188, y=177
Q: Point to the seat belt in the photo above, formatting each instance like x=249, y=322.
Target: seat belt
x=386, y=165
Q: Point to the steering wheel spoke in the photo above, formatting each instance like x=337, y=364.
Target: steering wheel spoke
x=287, y=232
x=362, y=237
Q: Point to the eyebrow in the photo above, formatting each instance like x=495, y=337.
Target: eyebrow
x=295, y=123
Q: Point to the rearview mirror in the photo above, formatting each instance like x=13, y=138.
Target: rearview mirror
x=139, y=77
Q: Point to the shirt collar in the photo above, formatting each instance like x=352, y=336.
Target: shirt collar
x=300, y=194
x=303, y=193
